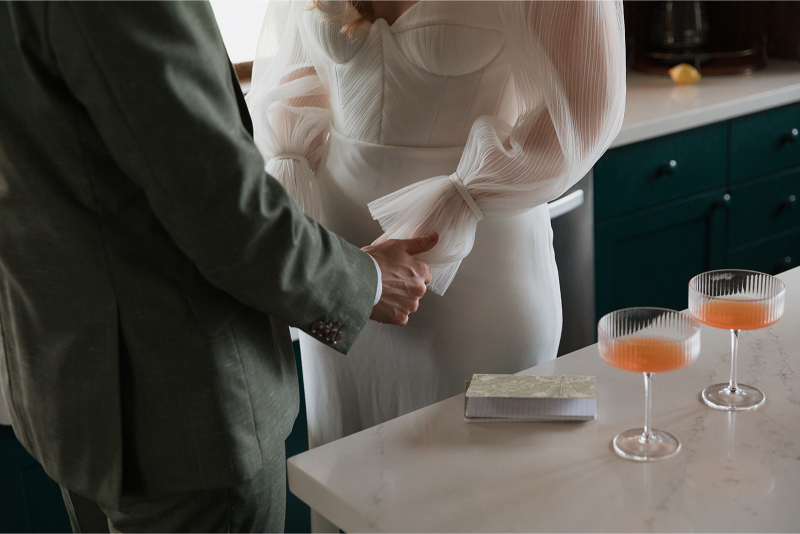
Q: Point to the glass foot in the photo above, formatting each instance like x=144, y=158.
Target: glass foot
x=632, y=445
x=745, y=397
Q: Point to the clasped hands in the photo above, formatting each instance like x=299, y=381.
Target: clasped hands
x=404, y=277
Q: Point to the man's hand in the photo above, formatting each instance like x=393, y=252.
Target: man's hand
x=404, y=277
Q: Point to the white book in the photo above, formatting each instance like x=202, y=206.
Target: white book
x=509, y=398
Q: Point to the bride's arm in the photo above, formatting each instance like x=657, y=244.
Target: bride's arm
x=290, y=105
x=568, y=62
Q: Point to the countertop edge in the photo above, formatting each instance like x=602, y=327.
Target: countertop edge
x=706, y=115
x=309, y=490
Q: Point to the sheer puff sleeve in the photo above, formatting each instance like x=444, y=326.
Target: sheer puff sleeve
x=568, y=62
x=289, y=104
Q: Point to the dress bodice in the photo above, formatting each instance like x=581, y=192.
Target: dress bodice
x=529, y=93
x=420, y=82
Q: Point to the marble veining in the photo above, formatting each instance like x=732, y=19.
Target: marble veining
x=431, y=471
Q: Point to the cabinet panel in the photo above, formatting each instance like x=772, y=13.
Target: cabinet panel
x=765, y=142
x=765, y=207
x=640, y=175
x=771, y=256
x=647, y=259
x=29, y=500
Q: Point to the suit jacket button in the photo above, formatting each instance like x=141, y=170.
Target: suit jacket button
x=316, y=327
x=338, y=337
x=324, y=332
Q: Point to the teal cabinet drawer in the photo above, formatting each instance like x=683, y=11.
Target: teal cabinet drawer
x=765, y=207
x=640, y=175
x=771, y=256
x=647, y=259
x=765, y=142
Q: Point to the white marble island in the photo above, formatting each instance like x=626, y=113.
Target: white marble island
x=431, y=471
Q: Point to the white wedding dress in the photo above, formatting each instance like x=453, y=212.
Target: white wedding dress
x=470, y=116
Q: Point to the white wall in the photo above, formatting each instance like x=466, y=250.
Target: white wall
x=240, y=23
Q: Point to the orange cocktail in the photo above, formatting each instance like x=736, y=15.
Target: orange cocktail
x=735, y=314
x=647, y=354
x=735, y=300
x=648, y=341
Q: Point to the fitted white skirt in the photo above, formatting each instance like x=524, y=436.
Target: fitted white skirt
x=502, y=313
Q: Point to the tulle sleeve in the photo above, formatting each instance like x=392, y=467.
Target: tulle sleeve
x=289, y=103
x=568, y=63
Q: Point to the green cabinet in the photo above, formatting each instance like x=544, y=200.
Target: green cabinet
x=764, y=207
x=647, y=258
x=29, y=500
x=765, y=186
x=658, y=170
x=765, y=142
x=772, y=255
x=723, y=195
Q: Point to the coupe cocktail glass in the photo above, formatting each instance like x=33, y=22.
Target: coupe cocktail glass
x=735, y=300
x=648, y=340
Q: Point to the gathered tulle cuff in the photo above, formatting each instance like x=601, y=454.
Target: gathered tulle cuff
x=433, y=205
x=294, y=172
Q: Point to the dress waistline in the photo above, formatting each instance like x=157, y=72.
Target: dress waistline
x=385, y=168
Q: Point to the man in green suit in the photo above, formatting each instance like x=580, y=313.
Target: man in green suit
x=149, y=268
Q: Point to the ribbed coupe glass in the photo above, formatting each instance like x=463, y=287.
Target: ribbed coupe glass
x=736, y=300
x=648, y=340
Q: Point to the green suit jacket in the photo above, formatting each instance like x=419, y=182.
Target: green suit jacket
x=148, y=265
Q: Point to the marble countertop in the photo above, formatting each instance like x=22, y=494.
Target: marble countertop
x=431, y=471
x=656, y=106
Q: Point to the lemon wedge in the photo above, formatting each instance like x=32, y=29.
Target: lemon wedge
x=684, y=74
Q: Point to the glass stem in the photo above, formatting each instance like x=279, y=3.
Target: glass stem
x=733, y=387
x=648, y=432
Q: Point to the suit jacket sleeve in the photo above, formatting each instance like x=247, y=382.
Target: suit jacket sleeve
x=155, y=79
